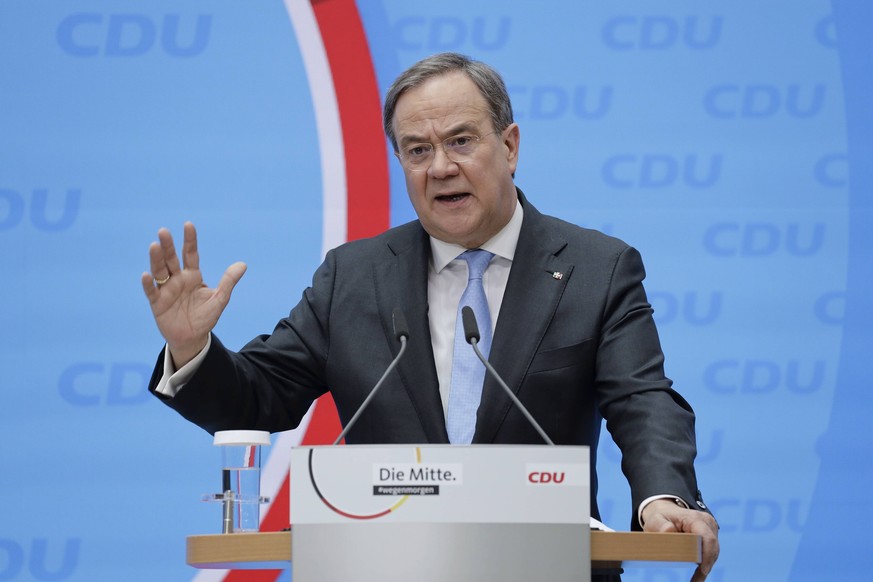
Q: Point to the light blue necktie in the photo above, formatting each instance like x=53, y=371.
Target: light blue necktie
x=468, y=373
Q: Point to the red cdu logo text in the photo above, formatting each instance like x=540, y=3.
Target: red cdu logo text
x=542, y=477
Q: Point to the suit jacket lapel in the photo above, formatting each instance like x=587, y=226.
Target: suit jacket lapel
x=401, y=281
x=522, y=323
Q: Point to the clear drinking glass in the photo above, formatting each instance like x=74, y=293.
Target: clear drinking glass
x=240, y=494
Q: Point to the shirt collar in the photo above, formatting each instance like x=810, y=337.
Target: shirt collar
x=501, y=244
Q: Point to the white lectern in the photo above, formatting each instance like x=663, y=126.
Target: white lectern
x=438, y=512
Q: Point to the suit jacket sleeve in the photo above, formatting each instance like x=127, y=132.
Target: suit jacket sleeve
x=650, y=422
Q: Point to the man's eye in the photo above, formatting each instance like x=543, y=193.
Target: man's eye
x=417, y=151
x=462, y=144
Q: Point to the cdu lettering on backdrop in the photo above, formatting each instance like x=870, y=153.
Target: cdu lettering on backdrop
x=760, y=101
x=552, y=102
x=758, y=377
x=450, y=33
x=114, y=384
x=90, y=34
x=832, y=170
x=826, y=32
x=764, y=239
x=44, y=211
x=626, y=171
x=38, y=559
x=691, y=307
x=624, y=33
x=830, y=308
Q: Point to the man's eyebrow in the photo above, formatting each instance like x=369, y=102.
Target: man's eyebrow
x=463, y=127
x=407, y=139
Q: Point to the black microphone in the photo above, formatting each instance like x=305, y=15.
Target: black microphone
x=401, y=332
x=471, y=333
x=401, y=328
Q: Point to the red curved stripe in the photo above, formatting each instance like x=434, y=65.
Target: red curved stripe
x=368, y=202
x=357, y=93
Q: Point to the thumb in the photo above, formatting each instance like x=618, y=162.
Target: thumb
x=229, y=280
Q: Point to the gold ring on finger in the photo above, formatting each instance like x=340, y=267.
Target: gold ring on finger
x=163, y=281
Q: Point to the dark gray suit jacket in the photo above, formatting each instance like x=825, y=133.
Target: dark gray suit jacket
x=575, y=348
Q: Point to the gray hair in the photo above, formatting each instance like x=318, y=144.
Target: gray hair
x=489, y=82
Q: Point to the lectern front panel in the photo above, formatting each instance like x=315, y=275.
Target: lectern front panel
x=439, y=552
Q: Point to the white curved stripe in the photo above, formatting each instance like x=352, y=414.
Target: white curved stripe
x=334, y=215
x=333, y=186
x=327, y=120
x=209, y=576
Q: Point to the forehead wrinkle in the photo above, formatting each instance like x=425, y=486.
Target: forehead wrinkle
x=439, y=110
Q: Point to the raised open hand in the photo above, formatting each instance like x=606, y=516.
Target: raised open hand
x=184, y=308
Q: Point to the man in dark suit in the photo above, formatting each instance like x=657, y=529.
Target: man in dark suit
x=573, y=334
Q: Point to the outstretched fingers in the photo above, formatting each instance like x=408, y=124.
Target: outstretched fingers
x=167, y=255
x=190, y=254
x=157, y=261
x=164, y=261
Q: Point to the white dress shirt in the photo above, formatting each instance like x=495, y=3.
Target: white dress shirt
x=446, y=281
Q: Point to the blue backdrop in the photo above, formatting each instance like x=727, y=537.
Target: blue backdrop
x=731, y=142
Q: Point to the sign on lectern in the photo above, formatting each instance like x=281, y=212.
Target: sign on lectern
x=440, y=512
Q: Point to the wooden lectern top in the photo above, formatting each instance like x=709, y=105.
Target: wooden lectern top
x=272, y=550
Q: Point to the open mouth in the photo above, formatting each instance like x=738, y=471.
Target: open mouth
x=452, y=197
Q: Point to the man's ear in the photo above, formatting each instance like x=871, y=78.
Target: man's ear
x=511, y=139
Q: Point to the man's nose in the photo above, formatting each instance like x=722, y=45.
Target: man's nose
x=441, y=166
